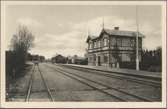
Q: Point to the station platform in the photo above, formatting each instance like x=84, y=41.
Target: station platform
x=130, y=72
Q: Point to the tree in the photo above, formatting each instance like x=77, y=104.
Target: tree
x=151, y=59
x=159, y=55
x=21, y=42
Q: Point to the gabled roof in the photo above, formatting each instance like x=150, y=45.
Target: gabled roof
x=91, y=38
x=121, y=33
x=116, y=33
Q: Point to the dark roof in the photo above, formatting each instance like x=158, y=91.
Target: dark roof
x=116, y=33
x=91, y=38
x=121, y=33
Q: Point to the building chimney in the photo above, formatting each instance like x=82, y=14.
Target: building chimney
x=116, y=28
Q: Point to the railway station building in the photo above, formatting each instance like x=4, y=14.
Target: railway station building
x=114, y=48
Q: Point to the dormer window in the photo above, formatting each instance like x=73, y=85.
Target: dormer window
x=105, y=41
x=95, y=44
x=98, y=43
x=90, y=45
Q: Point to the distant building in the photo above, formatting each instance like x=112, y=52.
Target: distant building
x=59, y=59
x=32, y=57
x=113, y=48
x=77, y=60
x=35, y=57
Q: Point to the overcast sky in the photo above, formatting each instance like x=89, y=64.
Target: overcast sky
x=64, y=29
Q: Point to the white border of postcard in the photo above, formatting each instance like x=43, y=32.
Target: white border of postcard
x=83, y=104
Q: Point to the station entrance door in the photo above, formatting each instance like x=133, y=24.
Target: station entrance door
x=99, y=62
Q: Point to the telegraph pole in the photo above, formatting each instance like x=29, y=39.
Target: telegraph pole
x=103, y=23
x=137, y=39
x=88, y=32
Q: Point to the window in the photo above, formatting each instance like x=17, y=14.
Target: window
x=99, y=43
x=126, y=57
x=113, y=41
x=132, y=42
x=105, y=41
x=94, y=56
x=90, y=45
x=140, y=42
x=94, y=43
x=119, y=42
x=90, y=59
x=126, y=42
x=105, y=58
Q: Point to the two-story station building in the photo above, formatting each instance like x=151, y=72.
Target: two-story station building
x=113, y=48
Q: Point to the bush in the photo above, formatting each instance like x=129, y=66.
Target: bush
x=9, y=67
x=130, y=65
x=154, y=68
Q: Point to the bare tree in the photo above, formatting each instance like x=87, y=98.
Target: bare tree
x=23, y=39
x=21, y=42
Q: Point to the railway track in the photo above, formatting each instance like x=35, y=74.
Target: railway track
x=125, y=96
x=118, y=76
x=29, y=91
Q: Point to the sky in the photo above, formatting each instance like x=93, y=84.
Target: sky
x=63, y=29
